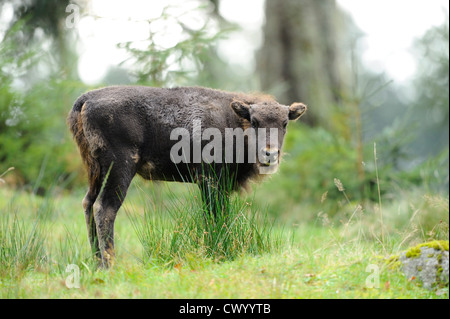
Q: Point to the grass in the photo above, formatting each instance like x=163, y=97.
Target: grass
x=21, y=245
x=157, y=258
x=170, y=231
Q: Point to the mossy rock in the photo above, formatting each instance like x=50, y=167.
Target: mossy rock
x=415, y=251
x=428, y=263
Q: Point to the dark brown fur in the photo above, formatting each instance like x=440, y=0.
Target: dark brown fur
x=125, y=131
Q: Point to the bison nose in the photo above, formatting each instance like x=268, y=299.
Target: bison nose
x=270, y=155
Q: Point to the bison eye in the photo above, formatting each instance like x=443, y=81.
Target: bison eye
x=254, y=123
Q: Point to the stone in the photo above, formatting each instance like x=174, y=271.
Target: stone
x=427, y=263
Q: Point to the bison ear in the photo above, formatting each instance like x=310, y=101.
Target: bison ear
x=296, y=110
x=241, y=109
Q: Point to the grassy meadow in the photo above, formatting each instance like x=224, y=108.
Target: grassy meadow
x=160, y=253
x=364, y=173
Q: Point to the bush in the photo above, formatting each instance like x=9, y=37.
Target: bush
x=34, y=136
x=315, y=157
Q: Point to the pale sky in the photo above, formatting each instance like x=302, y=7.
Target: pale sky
x=390, y=27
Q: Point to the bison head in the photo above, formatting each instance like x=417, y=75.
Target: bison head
x=269, y=121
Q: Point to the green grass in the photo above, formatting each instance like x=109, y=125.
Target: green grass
x=21, y=245
x=326, y=258
x=178, y=227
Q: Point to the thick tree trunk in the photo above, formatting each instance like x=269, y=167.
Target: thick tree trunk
x=300, y=59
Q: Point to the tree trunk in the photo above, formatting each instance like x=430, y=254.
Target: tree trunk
x=300, y=59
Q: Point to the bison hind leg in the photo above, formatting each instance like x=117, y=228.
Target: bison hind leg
x=118, y=176
x=88, y=207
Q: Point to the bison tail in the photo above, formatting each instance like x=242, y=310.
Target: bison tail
x=75, y=123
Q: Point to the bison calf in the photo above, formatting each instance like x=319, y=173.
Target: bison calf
x=122, y=131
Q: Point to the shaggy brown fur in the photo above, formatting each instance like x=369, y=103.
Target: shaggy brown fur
x=125, y=130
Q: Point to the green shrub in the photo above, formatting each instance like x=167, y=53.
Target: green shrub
x=33, y=134
x=315, y=157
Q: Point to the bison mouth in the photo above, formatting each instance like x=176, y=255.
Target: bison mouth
x=268, y=168
x=269, y=163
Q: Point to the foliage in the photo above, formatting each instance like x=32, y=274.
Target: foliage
x=34, y=137
x=411, y=123
x=42, y=25
x=411, y=138
x=44, y=14
x=158, y=64
x=431, y=107
x=314, y=158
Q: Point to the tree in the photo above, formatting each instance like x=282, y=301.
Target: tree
x=33, y=103
x=431, y=108
x=301, y=58
x=49, y=17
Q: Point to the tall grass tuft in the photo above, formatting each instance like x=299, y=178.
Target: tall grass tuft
x=21, y=245
x=180, y=227
x=70, y=251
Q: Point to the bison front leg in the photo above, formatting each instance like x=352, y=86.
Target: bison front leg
x=105, y=215
x=214, y=196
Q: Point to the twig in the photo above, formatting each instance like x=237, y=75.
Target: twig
x=379, y=192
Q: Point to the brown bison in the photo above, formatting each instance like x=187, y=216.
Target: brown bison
x=122, y=131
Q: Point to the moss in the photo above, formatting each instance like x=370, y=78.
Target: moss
x=436, y=244
x=415, y=251
x=393, y=262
